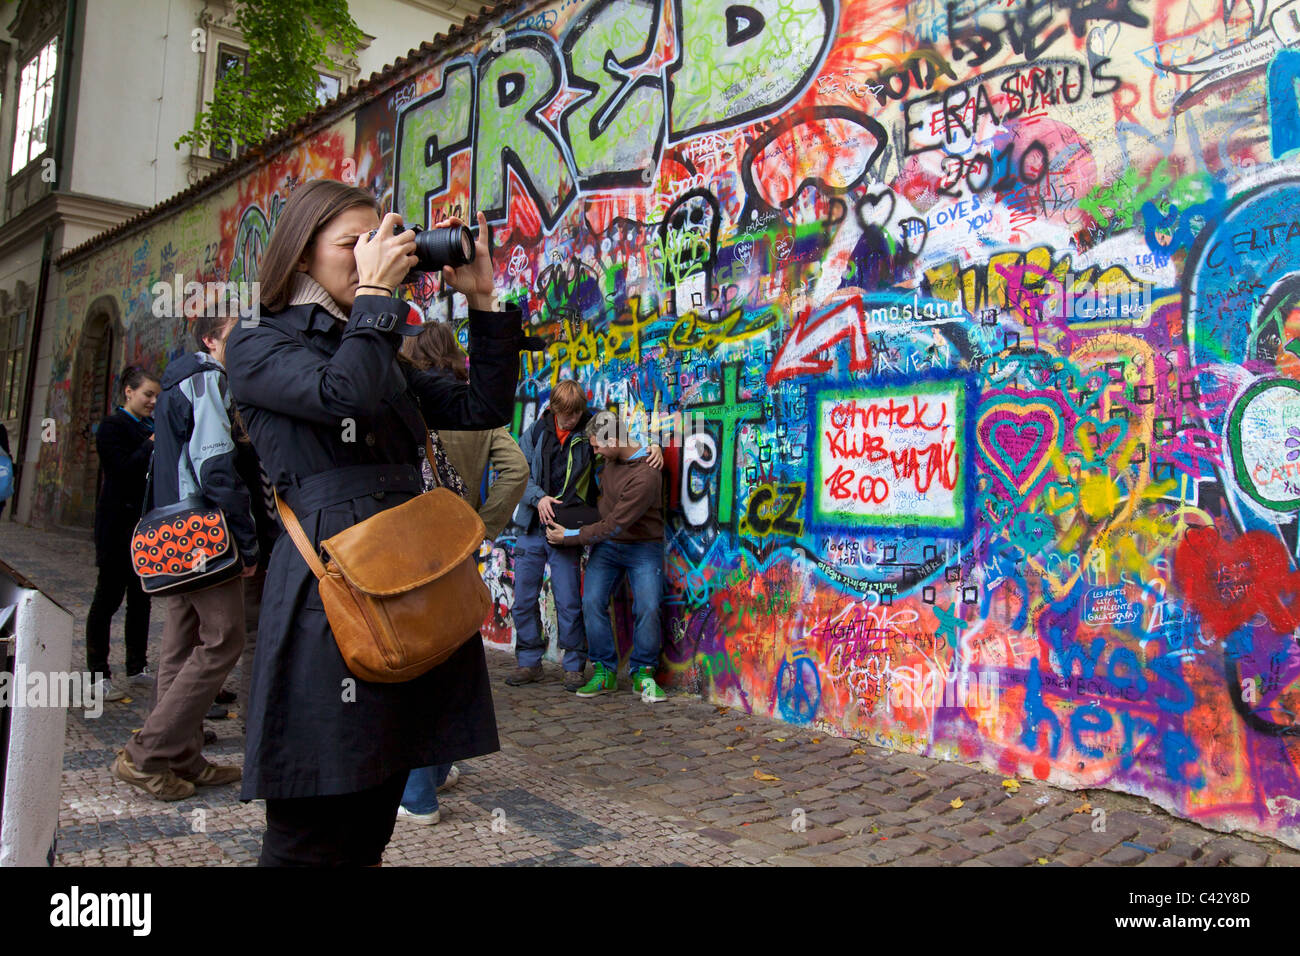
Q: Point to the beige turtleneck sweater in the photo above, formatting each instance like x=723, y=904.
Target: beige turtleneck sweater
x=306, y=290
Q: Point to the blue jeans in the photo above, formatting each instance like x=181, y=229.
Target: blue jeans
x=421, y=793
x=532, y=554
x=643, y=561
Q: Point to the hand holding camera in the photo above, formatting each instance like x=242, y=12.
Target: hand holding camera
x=409, y=252
x=470, y=275
x=385, y=256
x=396, y=254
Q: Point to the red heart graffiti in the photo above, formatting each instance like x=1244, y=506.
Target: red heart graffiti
x=1228, y=582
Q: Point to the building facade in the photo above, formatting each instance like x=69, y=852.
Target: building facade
x=93, y=95
x=986, y=314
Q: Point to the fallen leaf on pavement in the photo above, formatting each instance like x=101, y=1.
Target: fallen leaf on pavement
x=857, y=751
x=756, y=759
x=759, y=775
x=722, y=710
x=637, y=734
x=957, y=803
x=1083, y=808
x=1012, y=785
x=816, y=740
x=1042, y=860
x=779, y=740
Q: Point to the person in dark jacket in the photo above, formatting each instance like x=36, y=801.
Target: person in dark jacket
x=560, y=479
x=562, y=488
x=125, y=443
x=331, y=413
x=204, y=634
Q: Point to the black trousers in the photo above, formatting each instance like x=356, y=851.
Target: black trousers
x=115, y=581
x=347, y=829
x=252, y=610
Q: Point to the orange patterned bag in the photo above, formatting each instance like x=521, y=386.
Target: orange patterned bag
x=183, y=547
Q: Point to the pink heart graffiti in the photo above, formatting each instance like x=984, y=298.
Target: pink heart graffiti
x=1017, y=440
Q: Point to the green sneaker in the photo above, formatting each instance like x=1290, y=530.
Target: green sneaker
x=643, y=683
x=603, y=681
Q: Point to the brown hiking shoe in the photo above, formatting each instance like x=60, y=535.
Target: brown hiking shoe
x=573, y=680
x=524, y=675
x=214, y=775
x=164, y=786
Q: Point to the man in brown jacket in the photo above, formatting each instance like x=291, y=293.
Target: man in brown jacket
x=628, y=538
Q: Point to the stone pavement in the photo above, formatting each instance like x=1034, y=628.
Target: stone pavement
x=616, y=781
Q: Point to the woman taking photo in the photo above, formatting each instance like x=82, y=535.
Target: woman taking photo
x=125, y=443
x=321, y=393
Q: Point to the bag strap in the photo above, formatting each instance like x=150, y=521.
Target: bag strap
x=147, y=505
x=299, y=537
x=194, y=475
x=432, y=461
x=291, y=524
x=148, y=478
x=537, y=452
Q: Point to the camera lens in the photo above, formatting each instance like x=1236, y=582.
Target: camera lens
x=435, y=248
x=449, y=246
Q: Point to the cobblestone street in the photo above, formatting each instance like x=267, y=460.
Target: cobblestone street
x=615, y=781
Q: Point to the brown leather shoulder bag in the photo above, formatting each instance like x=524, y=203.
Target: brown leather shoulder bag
x=402, y=590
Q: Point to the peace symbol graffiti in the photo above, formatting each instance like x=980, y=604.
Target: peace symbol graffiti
x=798, y=690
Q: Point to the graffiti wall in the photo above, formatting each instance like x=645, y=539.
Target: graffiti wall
x=988, y=314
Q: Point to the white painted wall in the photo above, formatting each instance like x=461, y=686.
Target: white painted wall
x=139, y=85
x=35, y=763
x=137, y=94
x=400, y=26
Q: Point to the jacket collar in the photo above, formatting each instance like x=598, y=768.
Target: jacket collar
x=305, y=317
x=146, y=423
x=546, y=423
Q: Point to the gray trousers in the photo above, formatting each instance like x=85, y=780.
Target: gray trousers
x=202, y=638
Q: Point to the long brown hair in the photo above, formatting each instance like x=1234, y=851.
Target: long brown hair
x=436, y=347
x=309, y=208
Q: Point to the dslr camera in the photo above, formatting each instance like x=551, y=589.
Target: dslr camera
x=449, y=246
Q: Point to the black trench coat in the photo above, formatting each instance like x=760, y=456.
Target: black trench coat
x=315, y=396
